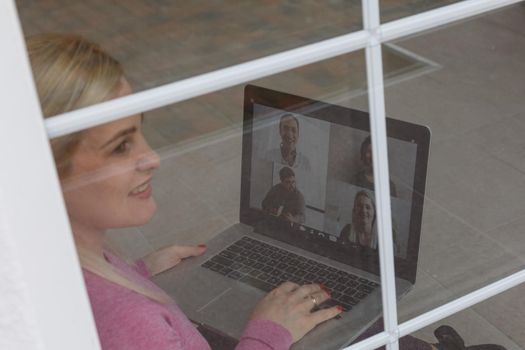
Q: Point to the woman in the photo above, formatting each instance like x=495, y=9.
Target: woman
x=365, y=176
x=362, y=230
x=105, y=173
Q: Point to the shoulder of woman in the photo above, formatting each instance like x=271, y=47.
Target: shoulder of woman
x=127, y=320
x=346, y=229
x=107, y=294
x=137, y=326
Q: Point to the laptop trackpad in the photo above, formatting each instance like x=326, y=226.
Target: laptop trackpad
x=231, y=311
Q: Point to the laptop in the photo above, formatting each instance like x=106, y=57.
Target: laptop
x=307, y=215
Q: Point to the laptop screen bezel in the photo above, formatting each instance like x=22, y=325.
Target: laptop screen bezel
x=364, y=259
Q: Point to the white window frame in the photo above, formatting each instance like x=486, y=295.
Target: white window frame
x=32, y=214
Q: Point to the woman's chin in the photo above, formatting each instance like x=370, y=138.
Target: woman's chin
x=144, y=214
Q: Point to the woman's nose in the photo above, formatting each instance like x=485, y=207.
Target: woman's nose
x=148, y=161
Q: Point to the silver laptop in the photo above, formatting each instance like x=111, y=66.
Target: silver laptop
x=307, y=215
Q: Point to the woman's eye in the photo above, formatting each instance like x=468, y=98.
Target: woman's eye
x=123, y=147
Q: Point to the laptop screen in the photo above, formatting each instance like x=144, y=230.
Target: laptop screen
x=309, y=179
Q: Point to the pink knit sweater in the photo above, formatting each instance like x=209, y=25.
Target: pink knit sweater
x=126, y=320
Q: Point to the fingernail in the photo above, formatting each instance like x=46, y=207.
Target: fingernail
x=202, y=246
x=339, y=308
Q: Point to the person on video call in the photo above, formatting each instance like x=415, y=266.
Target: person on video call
x=284, y=199
x=287, y=153
x=362, y=230
x=365, y=176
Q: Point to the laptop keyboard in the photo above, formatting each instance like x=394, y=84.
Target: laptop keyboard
x=265, y=267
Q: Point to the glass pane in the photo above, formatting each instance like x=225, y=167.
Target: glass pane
x=496, y=321
x=494, y=324
x=470, y=100
x=396, y=9
x=335, y=80
x=286, y=174
x=202, y=186
x=199, y=182
x=162, y=41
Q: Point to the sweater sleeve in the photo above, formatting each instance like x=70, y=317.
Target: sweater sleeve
x=264, y=335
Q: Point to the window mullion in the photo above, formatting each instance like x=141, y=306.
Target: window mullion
x=241, y=73
x=376, y=102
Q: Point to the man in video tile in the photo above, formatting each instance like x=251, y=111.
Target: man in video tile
x=287, y=153
x=284, y=200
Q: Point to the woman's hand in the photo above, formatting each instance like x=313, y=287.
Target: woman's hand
x=290, y=305
x=167, y=257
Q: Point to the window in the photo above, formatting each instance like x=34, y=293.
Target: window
x=468, y=201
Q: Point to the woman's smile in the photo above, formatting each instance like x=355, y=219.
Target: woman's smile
x=142, y=191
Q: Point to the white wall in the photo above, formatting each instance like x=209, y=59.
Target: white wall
x=38, y=261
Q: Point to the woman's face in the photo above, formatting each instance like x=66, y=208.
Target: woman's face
x=109, y=184
x=363, y=214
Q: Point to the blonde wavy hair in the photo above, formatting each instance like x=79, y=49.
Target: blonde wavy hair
x=71, y=72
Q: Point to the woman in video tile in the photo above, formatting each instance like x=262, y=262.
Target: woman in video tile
x=361, y=230
x=365, y=176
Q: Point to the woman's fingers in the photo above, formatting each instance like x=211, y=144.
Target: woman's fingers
x=290, y=306
x=315, y=299
x=167, y=257
x=324, y=314
x=309, y=295
x=304, y=291
x=288, y=287
x=183, y=252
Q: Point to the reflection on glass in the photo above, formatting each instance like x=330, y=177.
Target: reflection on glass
x=462, y=331
x=341, y=80
x=472, y=229
x=162, y=41
x=442, y=336
x=396, y=9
